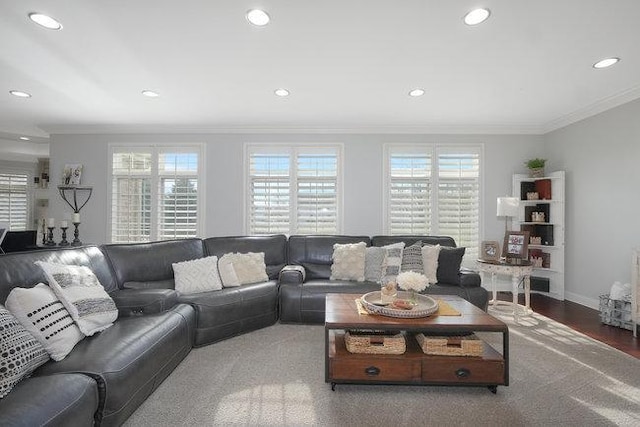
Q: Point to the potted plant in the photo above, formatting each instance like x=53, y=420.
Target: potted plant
x=536, y=167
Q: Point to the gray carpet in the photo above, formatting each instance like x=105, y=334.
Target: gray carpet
x=275, y=377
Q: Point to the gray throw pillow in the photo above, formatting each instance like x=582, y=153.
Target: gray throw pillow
x=449, y=262
x=373, y=259
x=412, y=258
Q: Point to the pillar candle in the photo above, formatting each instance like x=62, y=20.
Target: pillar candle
x=76, y=217
x=63, y=224
x=51, y=222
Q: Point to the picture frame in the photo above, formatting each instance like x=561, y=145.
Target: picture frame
x=490, y=250
x=72, y=174
x=515, y=246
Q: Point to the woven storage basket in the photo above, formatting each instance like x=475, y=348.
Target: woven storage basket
x=442, y=345
x=375, y=343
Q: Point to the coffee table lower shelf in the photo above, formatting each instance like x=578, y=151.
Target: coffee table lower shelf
x=413, y=367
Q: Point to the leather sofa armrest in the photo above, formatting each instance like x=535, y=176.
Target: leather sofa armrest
x=469, y=279
x=138, y=302
x=292, y=275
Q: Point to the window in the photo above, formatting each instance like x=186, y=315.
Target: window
x=434, y=190
x=14, y=207
x=293, y=189
x=154, y=193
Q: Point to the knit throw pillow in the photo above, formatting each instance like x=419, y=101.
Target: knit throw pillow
x=348, y=261
x=20, y=352
x=412, y=258
x=82, y=294
x=242, y=268
x=392, y=261
x=430, y=255
x=198, y=275
x=374, y=257
x=42, y=314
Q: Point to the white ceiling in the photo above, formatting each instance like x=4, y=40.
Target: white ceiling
x=348, y=64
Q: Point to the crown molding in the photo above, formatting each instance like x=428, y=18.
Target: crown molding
x=591, y=110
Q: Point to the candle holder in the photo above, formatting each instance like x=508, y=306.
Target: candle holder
x=76, y=235
x=44, y=231
x=64, y=241
x=50, y=241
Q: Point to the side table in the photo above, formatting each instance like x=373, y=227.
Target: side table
x=517, y=273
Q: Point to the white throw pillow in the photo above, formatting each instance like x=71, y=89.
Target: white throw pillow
x=392, y=261
x=430, y=254
x=374, y=257
x=348, y=261
x=198, y=275
x=42, y=314
x=242, y=268
x=83, y=295
x=20, y=352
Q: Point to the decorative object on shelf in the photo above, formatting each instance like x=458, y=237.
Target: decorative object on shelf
x=490, y=250
x=72, y=174
x=425, y=306
x=508, y=208
x=532, y=195
x=50, y=241
x=64, y=226
x=515, y=247
x=536, y=167
x=537, y=217
x=44, y=231
x=76, y=197
x=76, y=234
x=535, y=240
x=413, y=282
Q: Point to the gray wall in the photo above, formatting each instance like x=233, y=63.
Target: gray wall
x=363, y=181
x=601, y=157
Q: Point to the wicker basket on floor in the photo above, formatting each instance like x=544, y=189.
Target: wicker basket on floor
x=444, y=345
x=375, y=343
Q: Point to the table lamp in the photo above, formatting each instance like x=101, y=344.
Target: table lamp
x=508, y=208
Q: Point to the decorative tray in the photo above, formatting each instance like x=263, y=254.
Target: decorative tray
x=425, y=305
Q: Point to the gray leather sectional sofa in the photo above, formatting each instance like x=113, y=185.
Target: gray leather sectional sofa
x=107, y=376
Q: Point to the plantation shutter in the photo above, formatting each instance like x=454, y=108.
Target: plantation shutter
x=409, y=193
x=459, y=198
x=14, y=208
x=293, y=190
x=177, y=194
x=131, y=197
x=270, y=203
x=317, y=198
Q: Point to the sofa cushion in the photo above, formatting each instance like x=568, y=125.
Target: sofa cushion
x=52, y=400
x=412, y=258
x=314, y=252
x=198, y=275
x=79, y=290
x=430, y=254
x=42, y=314
x=348, y=261
x=449, y=261
x=20, y=352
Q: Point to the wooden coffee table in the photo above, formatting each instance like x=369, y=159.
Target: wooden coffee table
x=414, y=367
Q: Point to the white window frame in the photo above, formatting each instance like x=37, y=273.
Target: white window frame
x=434, y=150
x=155, y=150
x=29, y=194
x=293, y=149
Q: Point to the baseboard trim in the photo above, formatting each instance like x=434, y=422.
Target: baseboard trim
x=582, y=300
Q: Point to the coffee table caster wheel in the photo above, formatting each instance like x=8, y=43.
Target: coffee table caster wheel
x=333, y=386
x=493, y=389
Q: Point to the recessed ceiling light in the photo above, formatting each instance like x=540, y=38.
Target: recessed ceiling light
x=604, y=63
x=45, y=21
x=258, y=17
x=20, y=94
x=281, y=92
x=476, y=16
x=25, y=138
x=150, y=93
x=416, y=92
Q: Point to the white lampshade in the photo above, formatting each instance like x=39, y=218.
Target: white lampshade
x=508, y=206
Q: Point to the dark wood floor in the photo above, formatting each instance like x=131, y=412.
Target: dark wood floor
x=582, y=319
